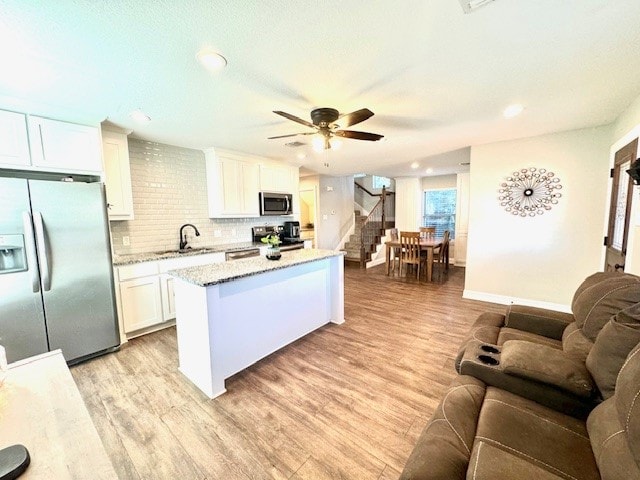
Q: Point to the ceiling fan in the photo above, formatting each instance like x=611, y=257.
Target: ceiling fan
x=328, y=122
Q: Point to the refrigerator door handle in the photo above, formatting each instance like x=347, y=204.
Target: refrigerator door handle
x=30, y=245
x=43, y=253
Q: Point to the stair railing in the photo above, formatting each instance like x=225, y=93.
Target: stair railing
x=374, y=225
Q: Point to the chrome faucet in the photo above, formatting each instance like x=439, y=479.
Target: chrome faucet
x=183, y=238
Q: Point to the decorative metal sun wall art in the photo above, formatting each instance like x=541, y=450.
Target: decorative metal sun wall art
x=529, y=192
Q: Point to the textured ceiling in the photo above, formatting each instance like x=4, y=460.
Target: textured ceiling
x=437, y=79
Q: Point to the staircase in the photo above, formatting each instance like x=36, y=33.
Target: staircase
x=353, y=246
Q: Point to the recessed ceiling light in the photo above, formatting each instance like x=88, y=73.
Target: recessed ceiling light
x=140, y=117
x=415, y=165
x=429, y=171
x=211, y=60
x=513, y=110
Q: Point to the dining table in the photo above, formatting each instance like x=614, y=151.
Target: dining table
x=428, y=243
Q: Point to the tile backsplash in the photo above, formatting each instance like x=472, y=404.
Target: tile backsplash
x=170, y=189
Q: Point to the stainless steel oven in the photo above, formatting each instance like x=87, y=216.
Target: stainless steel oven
x=276, y=203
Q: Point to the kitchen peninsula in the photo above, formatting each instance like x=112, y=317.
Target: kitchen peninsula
x=230, y=315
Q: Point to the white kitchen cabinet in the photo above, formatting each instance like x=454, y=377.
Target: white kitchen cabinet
x=14, y=142
x=141, y=303
x=232, y=185
x=275, y=178
x=64, y=147
x=168, y=297
x=115, y=150
x=145, y=297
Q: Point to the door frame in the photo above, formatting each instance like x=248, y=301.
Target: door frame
x=616, y=159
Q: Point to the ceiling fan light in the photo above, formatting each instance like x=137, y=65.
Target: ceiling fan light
x=318, y=143
x=415, y=165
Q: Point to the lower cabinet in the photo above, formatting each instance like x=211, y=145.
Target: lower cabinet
x=145, y=297
x=168, y=297
x=141, y=303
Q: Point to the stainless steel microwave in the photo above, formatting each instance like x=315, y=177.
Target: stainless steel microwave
x=276, y=203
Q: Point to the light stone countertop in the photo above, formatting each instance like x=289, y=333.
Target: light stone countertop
x=131, y=259
x=216, y=273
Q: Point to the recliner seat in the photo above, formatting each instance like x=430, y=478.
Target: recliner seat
x=550, y=356
x=480, y=432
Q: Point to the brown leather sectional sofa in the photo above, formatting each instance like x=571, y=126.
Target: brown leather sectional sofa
x=542, y=394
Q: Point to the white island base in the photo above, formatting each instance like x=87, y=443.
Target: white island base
x=225, y=327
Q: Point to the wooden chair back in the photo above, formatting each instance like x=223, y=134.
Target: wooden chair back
x=410, y=244
x=428, y=230
x=393, y=233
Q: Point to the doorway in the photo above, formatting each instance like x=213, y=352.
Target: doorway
x=620, y=208
x=308, y=203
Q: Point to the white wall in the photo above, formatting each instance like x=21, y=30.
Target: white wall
x=539, y=260
x=408, y=203
x=335, y=210
x=439, y=182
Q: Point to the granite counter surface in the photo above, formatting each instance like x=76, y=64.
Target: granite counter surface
x=216, y=273
x=119, y=260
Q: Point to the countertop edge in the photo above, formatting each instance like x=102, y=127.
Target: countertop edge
x=188, y=274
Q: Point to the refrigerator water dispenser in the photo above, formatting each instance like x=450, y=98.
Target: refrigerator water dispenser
x=12, y=254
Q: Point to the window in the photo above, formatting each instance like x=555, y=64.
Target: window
x=379, y=182
x=440, y=210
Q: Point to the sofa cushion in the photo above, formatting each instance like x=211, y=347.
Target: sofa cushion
x=610, y=445
x=612, y=346
x=507, y=334
x=596, y=304
x=444, y=447
x=489, y=462
x=539, y=435
x=546, y=365
x=627, y=399
x=590, y=281
x=547, y=323
x=574, y=342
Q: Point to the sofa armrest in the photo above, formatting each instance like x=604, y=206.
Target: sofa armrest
x=540, y=321
x=443, y=450
x=547, y=365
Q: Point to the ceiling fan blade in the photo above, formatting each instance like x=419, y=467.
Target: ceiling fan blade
x=358, y=135
x=292, y=135
x=352, y=118
x=294, y=118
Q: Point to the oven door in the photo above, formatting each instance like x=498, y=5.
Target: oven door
x=275, y=203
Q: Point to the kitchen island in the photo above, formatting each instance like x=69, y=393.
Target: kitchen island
x=230, y=315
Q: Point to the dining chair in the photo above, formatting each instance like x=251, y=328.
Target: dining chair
x=395, y=251
x=428, y=230
x=410, y=254
x=441, y=256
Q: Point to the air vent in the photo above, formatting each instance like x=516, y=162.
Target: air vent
x=472, y=5
x=294, y=144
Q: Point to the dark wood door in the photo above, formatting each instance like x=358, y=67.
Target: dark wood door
x=621, y=196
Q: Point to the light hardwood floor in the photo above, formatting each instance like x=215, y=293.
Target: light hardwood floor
x=347, y=401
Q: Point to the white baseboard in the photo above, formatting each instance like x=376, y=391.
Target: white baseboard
x=506, y=300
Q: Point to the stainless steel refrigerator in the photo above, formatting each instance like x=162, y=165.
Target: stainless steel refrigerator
x=56, y=278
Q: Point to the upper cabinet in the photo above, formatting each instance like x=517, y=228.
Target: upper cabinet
x=63, y=146
x=14, y=142
x=115, y=151
x=275, y=178
x=35, y=143
x=232, y=186
x=234, y=181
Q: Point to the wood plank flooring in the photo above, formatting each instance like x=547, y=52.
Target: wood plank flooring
x=345, y=402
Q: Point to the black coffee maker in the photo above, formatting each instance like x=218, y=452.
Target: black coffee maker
x=291, y=230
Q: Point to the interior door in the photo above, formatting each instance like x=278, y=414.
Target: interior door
x=621, y=197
